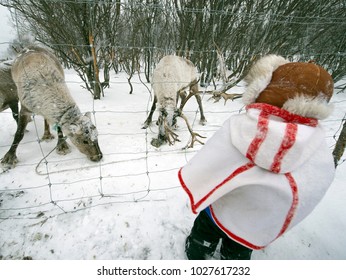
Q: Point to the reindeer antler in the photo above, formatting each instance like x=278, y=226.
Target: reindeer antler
x=171, y=136
x=194, y=135
x=226, y=96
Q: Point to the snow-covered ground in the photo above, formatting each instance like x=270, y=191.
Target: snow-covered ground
x=130, y=205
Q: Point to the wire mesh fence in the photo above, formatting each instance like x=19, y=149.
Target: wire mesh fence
x=44, y=184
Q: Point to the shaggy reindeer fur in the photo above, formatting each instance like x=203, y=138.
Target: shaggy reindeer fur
x=42, y=90
x=171, y=77
x=8, y=90
x=9, y=95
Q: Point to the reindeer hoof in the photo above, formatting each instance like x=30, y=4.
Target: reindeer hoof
x=9, y=162
x=47, y=137
x=156, y=142
x=203, y=122
x=145, y=126
x=63, y=148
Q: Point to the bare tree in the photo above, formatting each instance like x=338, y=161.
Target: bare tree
x=73, y=29
x=89, y=35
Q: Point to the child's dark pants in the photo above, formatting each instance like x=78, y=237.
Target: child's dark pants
x=204, y=238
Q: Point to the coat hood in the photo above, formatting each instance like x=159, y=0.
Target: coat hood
x=275, y=139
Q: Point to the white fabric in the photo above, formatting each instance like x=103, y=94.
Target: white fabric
x=252, y=204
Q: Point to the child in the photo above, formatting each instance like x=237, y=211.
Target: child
x=265, y=170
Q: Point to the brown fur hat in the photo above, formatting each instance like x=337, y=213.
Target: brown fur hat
x=300, y=88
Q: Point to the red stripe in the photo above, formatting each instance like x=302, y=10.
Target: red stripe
x=288, y=220
x=286, y=144
x=285, y=115
x=194, y=205
x=238, y=171
x=187, y=191
x=262, y=130
x=295, y=200
x=232, y=235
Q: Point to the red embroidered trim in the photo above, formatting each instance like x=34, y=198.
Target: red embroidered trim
x=194, y=205
x=287, y=143
x=285, y=115
x=187, y=191
x=232, y=235
x=288, y=220
x=295, y=200
x=262, y=130
x=238, y=171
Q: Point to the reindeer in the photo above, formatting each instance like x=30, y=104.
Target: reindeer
x=171, y=77
x=9, y=96
x=41, y=87
x=8, y=90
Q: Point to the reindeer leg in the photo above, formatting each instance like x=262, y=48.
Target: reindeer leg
x=150, y=116
x=194, y=89
x=182, y=95
x=161, y=138
x=194, y=92
x=47, y=135
x=62, y=147
x=14, y=109
x=182, y=104
x=10, y=159
x=194, y=135
x=202, y=120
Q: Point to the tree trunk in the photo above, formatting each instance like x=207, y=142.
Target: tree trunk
x=106, y=75
x=96, y=81
x=339, y=148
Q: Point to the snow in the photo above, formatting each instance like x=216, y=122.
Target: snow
x=130, y=206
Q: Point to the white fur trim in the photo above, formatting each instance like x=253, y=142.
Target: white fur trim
x=310, y=107
x=260, y=75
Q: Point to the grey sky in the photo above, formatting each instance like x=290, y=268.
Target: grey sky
x=7, y=32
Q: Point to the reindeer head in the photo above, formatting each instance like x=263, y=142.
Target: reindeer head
x=170, y=116
x=167, y=120
x=83, y=134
